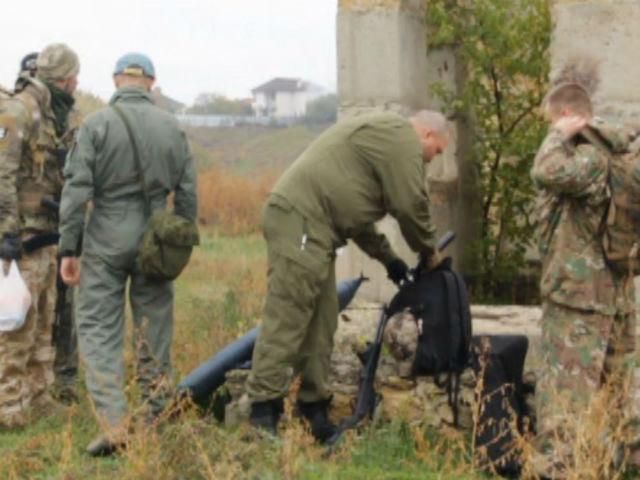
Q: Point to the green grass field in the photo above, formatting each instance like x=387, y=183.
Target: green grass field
x=218, y=298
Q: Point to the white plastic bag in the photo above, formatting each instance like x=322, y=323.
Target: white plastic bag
x=15, y=299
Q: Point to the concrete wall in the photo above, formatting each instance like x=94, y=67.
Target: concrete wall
x=381, y=55
x=607, y=30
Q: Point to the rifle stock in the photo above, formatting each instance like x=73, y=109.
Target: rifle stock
x=368, y=398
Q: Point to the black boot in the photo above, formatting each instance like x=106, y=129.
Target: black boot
x=265, y=415
x=316, y=413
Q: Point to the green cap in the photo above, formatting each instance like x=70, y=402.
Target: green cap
x=57, y=62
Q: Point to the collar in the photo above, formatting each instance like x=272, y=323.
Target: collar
x=131, y=94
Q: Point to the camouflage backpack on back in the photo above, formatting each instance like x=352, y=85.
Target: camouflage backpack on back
x=621, y=225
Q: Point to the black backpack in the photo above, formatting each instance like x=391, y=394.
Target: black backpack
x=438, y=300
x=498, y=361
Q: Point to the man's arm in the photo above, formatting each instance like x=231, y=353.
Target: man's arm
x=374, y=244
x=12, y=138
x=77, y=191
x=396, y=158
x=566, y=169
x=186, y=196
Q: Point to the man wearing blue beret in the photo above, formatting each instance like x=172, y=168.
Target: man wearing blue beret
x=127, y=159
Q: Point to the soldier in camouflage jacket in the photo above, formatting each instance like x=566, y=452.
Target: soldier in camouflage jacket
x=586, y=329
x=33, y=139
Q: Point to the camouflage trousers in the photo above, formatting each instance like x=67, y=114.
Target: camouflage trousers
x=587, y=359
x=26, y=354
x=65, y=342
x=300, y=312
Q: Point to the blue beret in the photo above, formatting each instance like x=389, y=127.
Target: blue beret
x=135, y=64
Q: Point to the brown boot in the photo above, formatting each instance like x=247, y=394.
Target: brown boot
x=107, y=444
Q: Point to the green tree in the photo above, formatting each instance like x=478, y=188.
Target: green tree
x=216, y=104
x=87, y=102
x=503, y=45
x=322, y=109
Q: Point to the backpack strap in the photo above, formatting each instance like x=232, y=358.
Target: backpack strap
x=455, y=334
x=136, y=155
x=594, y=139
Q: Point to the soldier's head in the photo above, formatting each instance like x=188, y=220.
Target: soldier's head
x=567, y=100
x=58, y=65
x=134, y=70
x=433, y=131
x=28, y=65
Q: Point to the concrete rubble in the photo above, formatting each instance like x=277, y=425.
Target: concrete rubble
x=415, y=399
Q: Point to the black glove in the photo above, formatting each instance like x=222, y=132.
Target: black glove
x=11, y=246
x=397, y=271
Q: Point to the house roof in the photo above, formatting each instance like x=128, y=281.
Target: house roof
x=281, y=84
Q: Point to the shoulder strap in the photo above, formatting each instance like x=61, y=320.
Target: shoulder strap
x=136, y=154
x=609, y=217
x=455, y=333
x=594, y=139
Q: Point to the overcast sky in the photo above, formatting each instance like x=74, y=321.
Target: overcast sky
x=223, y=46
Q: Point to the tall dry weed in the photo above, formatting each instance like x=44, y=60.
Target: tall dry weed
x=231, y=202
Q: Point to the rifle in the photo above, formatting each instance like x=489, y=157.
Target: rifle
x=368, y=399
x=44, y=239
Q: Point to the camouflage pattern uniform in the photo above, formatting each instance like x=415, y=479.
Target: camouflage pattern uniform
x=587, y=331
x=29, y=170
x=350, y=177
x=64, y=336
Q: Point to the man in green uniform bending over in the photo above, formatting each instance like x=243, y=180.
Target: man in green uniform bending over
x=354, y=174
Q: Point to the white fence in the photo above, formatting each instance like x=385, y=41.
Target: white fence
x=193, y=120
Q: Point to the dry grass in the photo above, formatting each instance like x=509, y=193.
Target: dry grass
x=231, y=202
x=217, y=299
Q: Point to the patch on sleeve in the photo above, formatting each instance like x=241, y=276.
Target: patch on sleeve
x=3, y=132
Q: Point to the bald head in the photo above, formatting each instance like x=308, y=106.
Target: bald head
x=432, y=129
x=432, y=120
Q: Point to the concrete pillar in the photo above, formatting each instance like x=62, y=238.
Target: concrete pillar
x=382, y=56
x=383, y=65
x=607, y=30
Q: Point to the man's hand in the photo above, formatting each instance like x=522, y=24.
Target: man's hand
x=570, y=126
x=11, y=246
x=397, y=271
x=70, y=270
x=433, y=261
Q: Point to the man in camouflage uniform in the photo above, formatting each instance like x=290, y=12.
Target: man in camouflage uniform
x=586, y=326
x=32, y=126
x=355, y=173
x=101, y=168
x=65, y=366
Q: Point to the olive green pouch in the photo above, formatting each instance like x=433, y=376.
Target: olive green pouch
x=169, y=239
